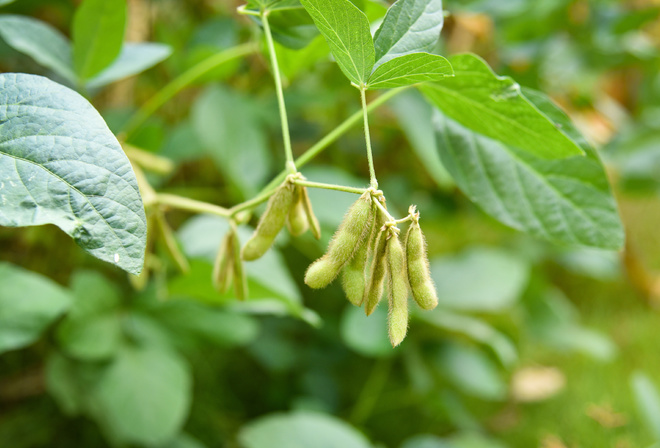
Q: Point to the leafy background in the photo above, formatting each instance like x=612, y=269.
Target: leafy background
x=533, y=344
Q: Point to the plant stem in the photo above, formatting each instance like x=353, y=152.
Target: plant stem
x=181, y=82
x=367, y=137
x=343, y=188
x=148, y=160
x=291, y=167
x=191, y=205
x=333, y=135
x=384, y=210
x=262, y=197
x=371, y=391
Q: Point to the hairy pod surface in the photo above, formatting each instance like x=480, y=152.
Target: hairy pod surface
x=419, y=274
x=297, y=221
x=313, y=223
x=240, y=278
x=353, y=276
x=270, y=224
x=374, y=290
x=397, y=320
x=224, y=263
x=343, y=244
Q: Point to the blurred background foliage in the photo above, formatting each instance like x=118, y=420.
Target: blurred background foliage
x=533, y=345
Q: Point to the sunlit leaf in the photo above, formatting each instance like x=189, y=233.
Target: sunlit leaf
x=133, y=59
x=410, y=69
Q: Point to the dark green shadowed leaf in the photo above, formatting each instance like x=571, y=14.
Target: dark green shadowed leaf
x=98, y=34
x=410, y=26
x=410, y=69
x=346, y=29
x=566, y=201
x=495, y=107
x=29, y=303
x=40, y=41
x=60, y=164
x=133, y=59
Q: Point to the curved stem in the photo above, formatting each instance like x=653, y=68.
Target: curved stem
x=181, y=82
x=367, y=138
x=291, y=167
x=191, y=205
x=263, y=197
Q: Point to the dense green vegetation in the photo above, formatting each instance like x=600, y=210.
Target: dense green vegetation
x=530, y=149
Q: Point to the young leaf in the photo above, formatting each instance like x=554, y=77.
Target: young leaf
x=98, y=34
x=566, y=201
x=60, y=164
x=40, y=41
x=410, y=69
x=494, y=106
x=346, y=29
x=133, y=59
x=410, y=26
x=29, y=303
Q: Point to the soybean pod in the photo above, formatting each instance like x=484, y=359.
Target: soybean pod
x=353, y=276
x=419, y=275
x=397, y=319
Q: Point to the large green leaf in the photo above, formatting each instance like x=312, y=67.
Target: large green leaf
x=346, y=29
x=566, y=201
x=98, y=34
x=410, y=26
x=40, y=41
x=231, y=131
x=479, y=279
x=60, y=164
x=133, y=59
x=494, y=106
x=301, y=430
x=29, y=303
x=410, y=69
x=143, y=396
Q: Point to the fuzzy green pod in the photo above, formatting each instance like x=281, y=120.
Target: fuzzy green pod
x=397, y=319
x=419, y=274
x=313, y=223
x=240, y=279
x=296, y=220
x=353, y=275
x=224, y=263
x=270, y=224
x=343, y=245
x=374, y=290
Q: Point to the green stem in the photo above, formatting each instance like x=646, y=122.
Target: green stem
x=191, y=205
x=343, y=188
x=384, y=210
x=181, y=82
x=333, y=135
x=371, y=391
x=263, y=197
x=291, y=167
x=367, y=137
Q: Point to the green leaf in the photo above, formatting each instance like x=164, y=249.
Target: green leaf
x=479, y=279
x=273, y=5
x=300, y=430
x=410, y=26
x=133, y=59
x=230, y=129
x=292, y=27
x=98, y=34
x=69, y=381
x=6, y=2
x=471, y=371
x=565, y=201
x=366, y=335
x=410, y=69
x=29, y=303
x=414, y=115
x=60, y=164
x=346, y=29
x=40, y=41
x=143, y=396
x=648, y=401
x=494, y=106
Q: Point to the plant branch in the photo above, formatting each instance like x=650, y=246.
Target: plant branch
x=262, y=197
x=183, y=81
x=291, y=167
x=367, y=137
x=191, y=205
x=343, y=188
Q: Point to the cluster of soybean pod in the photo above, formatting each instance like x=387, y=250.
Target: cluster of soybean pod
x=365, y=249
